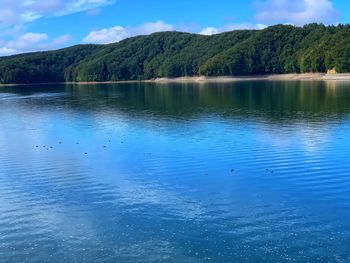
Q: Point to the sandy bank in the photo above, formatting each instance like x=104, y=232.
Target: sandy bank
x=276, y=77
x=224, y=79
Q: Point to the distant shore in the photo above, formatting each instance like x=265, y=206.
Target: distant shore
x=221, y=79
x=274, y=77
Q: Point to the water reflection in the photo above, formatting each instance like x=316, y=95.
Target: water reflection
x=241, y=172
x=269, y=99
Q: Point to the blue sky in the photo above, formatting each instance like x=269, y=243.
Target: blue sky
x=29, y=25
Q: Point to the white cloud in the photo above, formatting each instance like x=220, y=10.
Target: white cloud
x=25, y=41
x=297, y=12
x=14, y=13
x=74, y=6
x=241, y=26
x=33, y=37
x=209, y=31
x=32, y=42
x=45, y=6
x=230, y=27
x=118, y=33
x=106, y=35
x=149, y=28
x=5, y=51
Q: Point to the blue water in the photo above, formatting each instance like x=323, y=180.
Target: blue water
x=241, y=172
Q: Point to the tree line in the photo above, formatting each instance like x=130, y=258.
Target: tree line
x=274, y=50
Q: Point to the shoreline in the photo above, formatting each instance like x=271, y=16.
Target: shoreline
x=221, y=79
x=271, y=77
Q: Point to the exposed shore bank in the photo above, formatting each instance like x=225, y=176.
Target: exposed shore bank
x=221, y=79
x=274, y=77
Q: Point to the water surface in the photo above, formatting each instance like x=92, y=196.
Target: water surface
x=242, y=172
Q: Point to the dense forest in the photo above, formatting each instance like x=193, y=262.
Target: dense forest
x=276, y=49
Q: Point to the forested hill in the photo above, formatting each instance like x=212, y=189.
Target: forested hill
x=277, y=49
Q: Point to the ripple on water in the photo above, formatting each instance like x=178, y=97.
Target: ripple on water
x=214, y=181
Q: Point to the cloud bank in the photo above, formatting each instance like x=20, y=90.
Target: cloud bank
x=297, y=12
x=229, y=27
x=29, y=42
x=14, y=13
x=118, y=33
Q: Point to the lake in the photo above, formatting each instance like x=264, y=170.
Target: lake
x=236, y=172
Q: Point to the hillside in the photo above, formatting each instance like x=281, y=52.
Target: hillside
x=274, y=50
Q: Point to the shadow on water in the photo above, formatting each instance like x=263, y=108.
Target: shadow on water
x=271, y=100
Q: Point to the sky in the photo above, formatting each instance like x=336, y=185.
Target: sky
x=33, y=25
